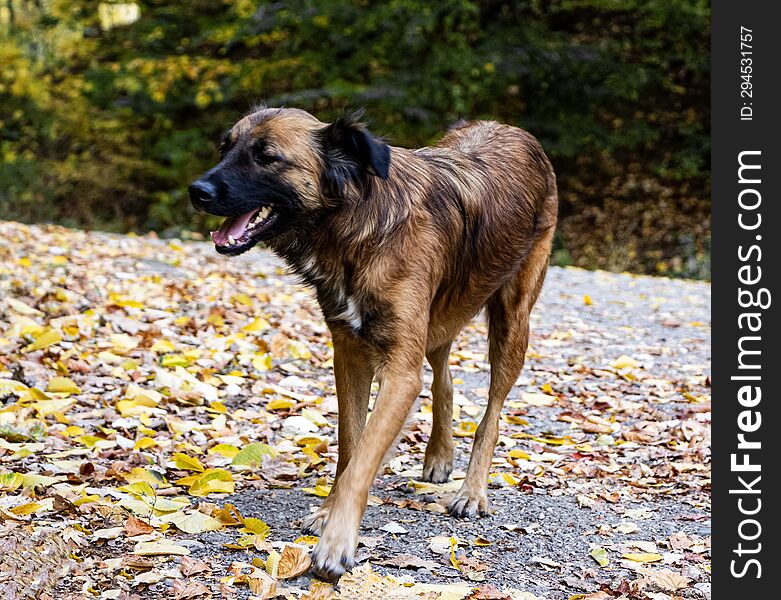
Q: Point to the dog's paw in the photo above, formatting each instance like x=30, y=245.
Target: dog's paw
x=437, y=470
x=469, y=503
x=333, y=556
x=314, y=523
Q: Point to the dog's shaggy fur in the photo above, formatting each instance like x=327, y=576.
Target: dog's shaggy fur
x=403, y=248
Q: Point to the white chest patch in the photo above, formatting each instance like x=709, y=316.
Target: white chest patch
x=351, y=314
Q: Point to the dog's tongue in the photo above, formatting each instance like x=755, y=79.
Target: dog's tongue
x=235, y=226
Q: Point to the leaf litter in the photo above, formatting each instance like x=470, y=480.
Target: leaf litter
x=151, y=389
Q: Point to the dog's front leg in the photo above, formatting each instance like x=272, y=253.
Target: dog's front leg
x=400, y=384
x=353, y=371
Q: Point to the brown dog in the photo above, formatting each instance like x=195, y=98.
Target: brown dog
x=403, y=248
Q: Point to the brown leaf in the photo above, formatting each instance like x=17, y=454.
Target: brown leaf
x=488, y=592
x=184, y=590
x=664, y=580
x=261, y=584
x=293, y=561
x=319, y=590
x=680, y=541
x=190, y=566
x=135, y=526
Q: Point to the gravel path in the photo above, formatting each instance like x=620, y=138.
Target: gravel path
x=663, y=324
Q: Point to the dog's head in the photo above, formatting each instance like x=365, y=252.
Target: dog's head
x=279, y=167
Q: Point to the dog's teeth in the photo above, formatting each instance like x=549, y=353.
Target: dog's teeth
x=231, y=240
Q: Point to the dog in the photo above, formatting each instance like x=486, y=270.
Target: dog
x=403, y=248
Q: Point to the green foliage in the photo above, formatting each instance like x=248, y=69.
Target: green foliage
x=104, y=125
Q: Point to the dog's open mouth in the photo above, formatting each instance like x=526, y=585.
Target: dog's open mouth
x=239, y=234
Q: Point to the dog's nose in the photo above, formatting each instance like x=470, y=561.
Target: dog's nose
x=202, y=192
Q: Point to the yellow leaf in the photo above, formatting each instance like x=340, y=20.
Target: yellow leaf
x=48, y=407
x=195, y=522
x=624, y=362
x=307, y=540
x=86, y=498
x=120, y=300
x=643, y=557
x=25, y=509
x=252, y=455
x=73, y=431
x=242, y=299
x=162, y=346
x=62, y=385
x=299, y=349
x=139, y=488
x=256, y=325
x=515, y=453
x=218, y=407
x=144, y=443
x=280, y=404
x=11, y=386
x=465, y=429
x=149, y=476
x=226, y=450
x=272, y=563
x=137, y=406
x=319, y=490
x=215, y=319
x=187, y=463
x=263, y=362
x=175, y=360
x=453, y=547
x=255, y=527
x=599, y=554
x=44, y=339
x=213, y=481
x=10, y=481
x=93, y=441
x=587, y=300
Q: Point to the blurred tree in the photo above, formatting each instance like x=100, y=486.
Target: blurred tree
x=107, y=109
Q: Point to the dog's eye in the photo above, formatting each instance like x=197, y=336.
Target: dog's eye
x=263, y=155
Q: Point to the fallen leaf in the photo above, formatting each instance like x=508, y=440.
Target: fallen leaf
x=642, y=557
x=135, y=526
x=195, y=522
x=599, y=554
x=159, y=548
x=393, y=527
x=192, y=566
x=184, y=590
x=293, y=561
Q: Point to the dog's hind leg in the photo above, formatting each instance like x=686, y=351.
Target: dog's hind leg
x=353, y=372
x=508, y=337
x=438, y=462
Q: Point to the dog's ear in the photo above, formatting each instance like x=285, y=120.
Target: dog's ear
x=351, y=152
